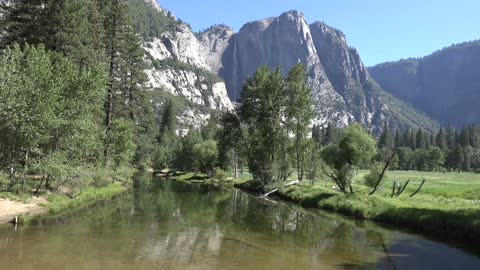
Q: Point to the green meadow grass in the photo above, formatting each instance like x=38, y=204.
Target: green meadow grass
x=448, y=204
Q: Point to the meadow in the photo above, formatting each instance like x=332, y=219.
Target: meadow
x=448, y=205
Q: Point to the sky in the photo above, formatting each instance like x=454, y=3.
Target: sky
x=381, y=30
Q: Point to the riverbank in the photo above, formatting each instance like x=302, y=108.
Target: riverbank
x=453, y=217
x=26, y=208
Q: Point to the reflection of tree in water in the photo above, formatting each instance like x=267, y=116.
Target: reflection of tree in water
x=176, y=224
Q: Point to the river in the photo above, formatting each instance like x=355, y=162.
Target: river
x=164, y=224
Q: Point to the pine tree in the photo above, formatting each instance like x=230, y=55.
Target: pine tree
x=451, y=138
x=413, y=140
x=329, y=134
x=124, y=65
x=23, y=22
x=420, y=139
x=317, y=134
x=441, y=140
x=398, y=139
x=464, y=137
x=75, y=29
x=168, y=121
x=385, y=140
x=406, y=138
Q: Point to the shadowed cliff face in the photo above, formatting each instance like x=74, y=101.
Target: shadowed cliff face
x=281, y=42
x=343, y=91
x=446, y=84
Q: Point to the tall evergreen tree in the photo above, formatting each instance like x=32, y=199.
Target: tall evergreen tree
x=23, y=21
x=398, y=139
x=386, y=140
x=317, y=134
x=420, y=139
x=464, y=137
x=413, y=140
x=75, y=29
x=441, y=140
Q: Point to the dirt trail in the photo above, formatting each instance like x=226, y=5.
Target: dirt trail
x=10, y=209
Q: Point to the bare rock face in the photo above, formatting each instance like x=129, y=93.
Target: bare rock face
x=343, y=91
x=184, y=46
x=282, y=42
x=180, y=68
x=348, y=75
x=214, y=41
x=195, y=66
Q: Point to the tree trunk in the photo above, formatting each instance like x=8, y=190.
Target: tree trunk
x=40, y=185
x=109, y=98
x=235, y=164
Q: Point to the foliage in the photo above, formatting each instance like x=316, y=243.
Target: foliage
x=49, y=110
x=149, y=22
x=204, y=75
x=219, y=174
x=299, y=113
x=205, y=154
x=371, y=179
x=356, y=147
x=120, y=142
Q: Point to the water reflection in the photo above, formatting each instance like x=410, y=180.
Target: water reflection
x=170, y=225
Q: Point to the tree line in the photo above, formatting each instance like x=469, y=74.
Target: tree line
x=74, y=103
x=447, y=149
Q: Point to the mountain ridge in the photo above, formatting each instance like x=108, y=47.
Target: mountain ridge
x=343, y=91
x=444, y=84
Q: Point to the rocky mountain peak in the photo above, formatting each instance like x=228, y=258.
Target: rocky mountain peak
x=343, y=91
x=159, y=8
x=218, y=30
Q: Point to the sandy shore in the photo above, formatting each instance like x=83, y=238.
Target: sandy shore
x=10, y=209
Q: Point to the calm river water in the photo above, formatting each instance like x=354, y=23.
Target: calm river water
x=163, y=224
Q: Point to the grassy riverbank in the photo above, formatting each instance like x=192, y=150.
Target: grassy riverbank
x=448, y=205
x=58, y=203
x=28, y=207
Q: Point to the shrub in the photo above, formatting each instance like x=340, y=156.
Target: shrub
x=371, y=179
x=219, y=174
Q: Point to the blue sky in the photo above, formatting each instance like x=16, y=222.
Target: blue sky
x=382, y=30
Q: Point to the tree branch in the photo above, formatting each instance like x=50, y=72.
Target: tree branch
x=418, y=190
x=385, y=168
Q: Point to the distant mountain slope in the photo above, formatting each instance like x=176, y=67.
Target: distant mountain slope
x=445, y=84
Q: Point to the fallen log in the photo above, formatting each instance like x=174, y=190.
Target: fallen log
x=276, y=190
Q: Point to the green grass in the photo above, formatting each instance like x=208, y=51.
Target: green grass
x=447, y=206
x=449, y=185
x=23, y=197
x=60, y=202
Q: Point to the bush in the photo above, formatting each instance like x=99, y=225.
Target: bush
x=78, y=184
x=100, y=177
x=371, y=179
x=219, y=174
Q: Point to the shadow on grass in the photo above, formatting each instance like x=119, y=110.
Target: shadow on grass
x=312, y=201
